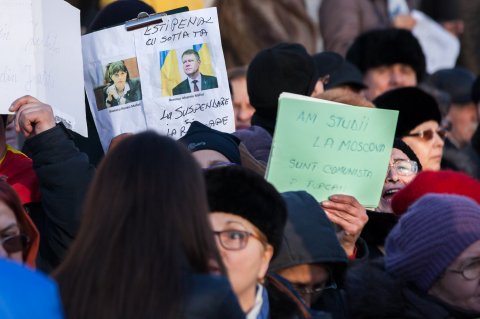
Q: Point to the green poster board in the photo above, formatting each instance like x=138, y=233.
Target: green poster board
x=328, y=148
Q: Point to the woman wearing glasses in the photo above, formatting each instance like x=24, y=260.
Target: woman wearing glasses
x=431, y=268
x=402, y=169
x=418, y=123
x=248, y=216
x=19, y=237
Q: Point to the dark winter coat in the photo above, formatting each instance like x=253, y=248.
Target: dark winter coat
x=64, y=174
x=374, y=293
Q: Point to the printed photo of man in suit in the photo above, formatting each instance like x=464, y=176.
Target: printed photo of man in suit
x=195, y=81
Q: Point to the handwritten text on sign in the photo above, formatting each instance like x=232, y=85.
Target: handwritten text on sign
x=328, y=148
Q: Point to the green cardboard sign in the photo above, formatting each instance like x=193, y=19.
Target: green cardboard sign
x=328, y=148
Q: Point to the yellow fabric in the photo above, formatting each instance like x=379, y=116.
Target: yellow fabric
x=162, y=5
x=170, y=73
x=10, y=149
x=206, y=64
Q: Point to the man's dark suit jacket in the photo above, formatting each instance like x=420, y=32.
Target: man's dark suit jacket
x=208, y=82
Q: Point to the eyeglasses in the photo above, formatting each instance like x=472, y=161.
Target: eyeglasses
x=404, y=167
x=236, y=239
x=15, y=243
x=427, y=135
x=314, y=292
x=471, y=271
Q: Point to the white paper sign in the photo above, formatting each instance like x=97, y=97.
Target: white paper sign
x=41, y=56
x=441, y=48
x=161, y=77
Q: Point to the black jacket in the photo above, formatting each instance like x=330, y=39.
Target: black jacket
x=373, y=293
x=64, y=174
x=210, y=297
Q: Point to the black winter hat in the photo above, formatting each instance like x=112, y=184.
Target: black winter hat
x=240, y=191
x=386, y=47
x=414, y=106
x=327, y=62
x=117, y=13
x=201, y=137
x=346, y=74
x=402, y=146
x=309, y=236
x=282, y=68
x=457, y=82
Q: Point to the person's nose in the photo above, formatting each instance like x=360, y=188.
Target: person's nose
x=396, y=78
x=392, y=174
x=242, y=113
x=308, y=299
x=438, y=141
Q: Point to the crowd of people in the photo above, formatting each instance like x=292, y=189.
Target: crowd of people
x=190, y=228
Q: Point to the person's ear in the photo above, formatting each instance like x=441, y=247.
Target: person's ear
x=266, y=257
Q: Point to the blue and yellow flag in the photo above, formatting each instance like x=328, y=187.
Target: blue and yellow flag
x=206, y=66
x=169, y=71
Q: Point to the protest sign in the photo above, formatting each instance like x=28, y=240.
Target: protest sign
x=42, y=57
x=328, y=148
x=175, y=74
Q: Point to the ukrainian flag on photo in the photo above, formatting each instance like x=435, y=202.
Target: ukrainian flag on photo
x=206, y=66
x=169, y=71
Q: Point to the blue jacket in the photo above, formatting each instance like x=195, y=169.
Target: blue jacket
x=25, y=294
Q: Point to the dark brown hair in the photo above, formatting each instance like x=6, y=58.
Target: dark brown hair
x=144, y=225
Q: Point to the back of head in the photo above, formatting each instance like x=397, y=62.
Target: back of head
x=26, y=294
x=144, y=223
x=435, y=230
x=282, y=68
x=239, y=191
x=308, y=226
x=440, y=182
x=117, y=13
x=201, y=137
x=387, y=47
x=414, y=105
x=457, y=82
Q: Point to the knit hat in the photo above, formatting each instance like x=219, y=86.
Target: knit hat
x=117, y=13
x=430, y=236
x=282, y=68
x=457, y=82
x=308, y=226
x=386, y=47
x=201, y=137
x=239, y=191
x=346, y=74
x=414, y=105
x=327, y=62
x=439, y=182
x=402, y=146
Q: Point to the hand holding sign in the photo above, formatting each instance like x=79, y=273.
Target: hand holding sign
x=32, y=116
x=349, y=215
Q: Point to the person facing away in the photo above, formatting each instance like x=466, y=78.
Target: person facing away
x=195, y=80
x=144, y=251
